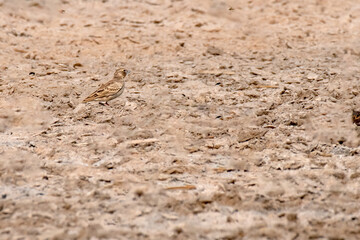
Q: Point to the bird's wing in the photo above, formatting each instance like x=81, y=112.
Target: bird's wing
x=105, y=91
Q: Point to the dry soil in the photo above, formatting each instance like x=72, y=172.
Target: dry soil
x=235, y=122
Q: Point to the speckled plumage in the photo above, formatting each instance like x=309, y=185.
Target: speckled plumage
x=110, y=90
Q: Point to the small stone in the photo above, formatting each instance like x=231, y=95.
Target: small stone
x=77, y=65
x=339, y=175
x=355, y=175
x=292, y=217
x=312, y=76
x=214, y=51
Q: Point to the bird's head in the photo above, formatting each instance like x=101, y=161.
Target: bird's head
x=121, y=73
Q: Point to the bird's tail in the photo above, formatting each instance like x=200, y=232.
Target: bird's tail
x=86, y=100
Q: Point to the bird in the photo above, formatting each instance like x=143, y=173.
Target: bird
x=356, y=117
x=110, y=90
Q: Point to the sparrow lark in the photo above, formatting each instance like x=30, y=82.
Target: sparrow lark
x=110, y=90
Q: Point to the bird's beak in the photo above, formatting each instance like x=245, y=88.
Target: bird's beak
x=127, y=71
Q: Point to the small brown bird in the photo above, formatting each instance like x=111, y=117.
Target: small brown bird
x=110, y=90
x=356, y=117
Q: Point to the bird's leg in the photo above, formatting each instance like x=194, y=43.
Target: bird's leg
x=106, y=103
x=101, y=103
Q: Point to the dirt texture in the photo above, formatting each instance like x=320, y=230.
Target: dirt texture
x=235, y=122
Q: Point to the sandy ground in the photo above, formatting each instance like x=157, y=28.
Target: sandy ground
x=235, y=122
